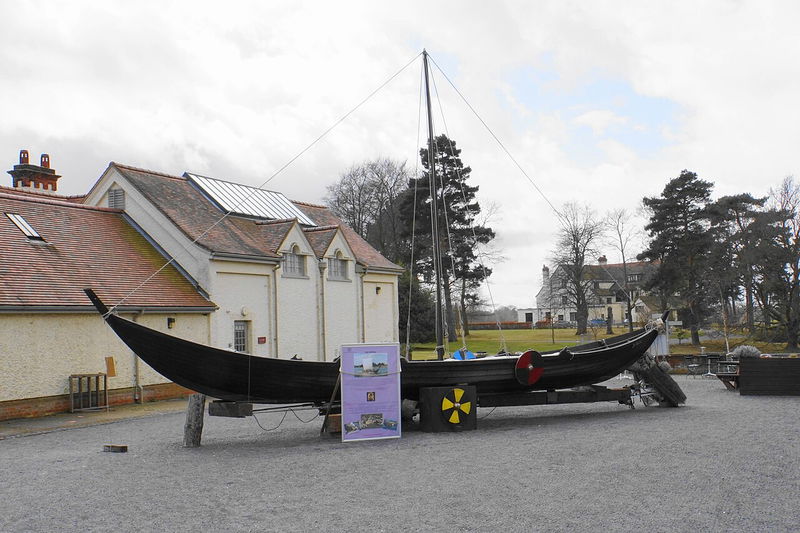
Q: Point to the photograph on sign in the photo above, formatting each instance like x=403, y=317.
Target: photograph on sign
x=370, y=391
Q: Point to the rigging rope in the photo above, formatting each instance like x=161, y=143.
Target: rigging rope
x=280, y=423
x=499, y=142
x=273, y=176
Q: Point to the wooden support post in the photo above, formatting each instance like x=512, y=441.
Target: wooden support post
x=193, y=430
x=330, y=404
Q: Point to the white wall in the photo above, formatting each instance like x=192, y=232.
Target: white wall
x=341, y=313
x=38, y=352
x=380, y=308
x=298, y=303
x=243, y=292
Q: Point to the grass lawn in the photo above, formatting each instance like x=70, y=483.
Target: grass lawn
x=519, y=340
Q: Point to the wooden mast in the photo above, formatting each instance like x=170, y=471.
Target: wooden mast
x=437, y=259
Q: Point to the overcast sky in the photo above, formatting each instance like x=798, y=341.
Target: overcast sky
x=601, y=103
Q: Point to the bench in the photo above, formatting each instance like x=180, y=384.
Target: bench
x=730, y=379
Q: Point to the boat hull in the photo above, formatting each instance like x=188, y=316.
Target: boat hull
x=240, y=377
x=578, y=366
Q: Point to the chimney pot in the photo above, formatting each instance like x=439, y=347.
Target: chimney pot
x=40, y=178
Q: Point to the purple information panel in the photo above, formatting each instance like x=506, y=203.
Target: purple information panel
x=370, y=391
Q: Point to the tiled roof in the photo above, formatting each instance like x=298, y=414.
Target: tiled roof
x=83, y=247
x=320, y=238
x=364, y=252
x=194, y=214
x=198, y=218
x=46, y=195
x=616, y=271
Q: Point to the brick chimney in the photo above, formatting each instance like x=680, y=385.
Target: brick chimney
x=602, y=260
x=37, y=177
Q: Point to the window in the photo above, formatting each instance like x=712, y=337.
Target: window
x=528, y=317
x=241, y=336
x=116, y=199
x=564, y=283
x=634, y=277
x=294, y=263
x=608, y=300
x=573, y=317
x=24, y=227
x=337, y=267
x=563, y=300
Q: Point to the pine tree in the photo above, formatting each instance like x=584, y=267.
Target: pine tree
x=681, y=243
x=459, y=233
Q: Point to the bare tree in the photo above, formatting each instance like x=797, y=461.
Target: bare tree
x=621, y=236
x=579, y=233
x=777, y=284
x=389, y=180
x=350, y=198
x=366, y=198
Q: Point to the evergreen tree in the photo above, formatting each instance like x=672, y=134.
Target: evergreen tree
x=681, y=243
x=418, y=326
x=459, y=233
x=733, y=254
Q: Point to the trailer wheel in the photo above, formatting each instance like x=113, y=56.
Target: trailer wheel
x=668, y=392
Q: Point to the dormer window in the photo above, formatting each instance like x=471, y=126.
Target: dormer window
x=24, y=227
x=634, y=277
x=294, y=263
x=337, y=267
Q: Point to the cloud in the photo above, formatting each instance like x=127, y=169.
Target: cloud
x=599, y=120
x=237, y=90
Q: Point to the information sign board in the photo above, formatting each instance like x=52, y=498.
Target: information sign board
x=370, y=391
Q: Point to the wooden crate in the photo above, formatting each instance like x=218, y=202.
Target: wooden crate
x=773, y=376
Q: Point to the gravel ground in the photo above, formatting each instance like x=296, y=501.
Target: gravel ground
x=721, y=463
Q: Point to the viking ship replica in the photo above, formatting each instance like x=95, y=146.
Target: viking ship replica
x=234, y=376
x=239, y=377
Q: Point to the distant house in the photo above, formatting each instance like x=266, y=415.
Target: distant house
x=609, y=287
x=52, y=247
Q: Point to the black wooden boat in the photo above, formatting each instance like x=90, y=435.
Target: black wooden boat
x=234, y=376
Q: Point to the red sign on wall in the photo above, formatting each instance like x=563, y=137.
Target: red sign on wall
x=262, y=340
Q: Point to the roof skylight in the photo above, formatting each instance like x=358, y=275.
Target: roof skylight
x=24, y=227
x=249, y=201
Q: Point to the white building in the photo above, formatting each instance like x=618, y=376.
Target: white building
x=608, y=288
x=211, y=261
x=52, y=247
x=289, y=277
